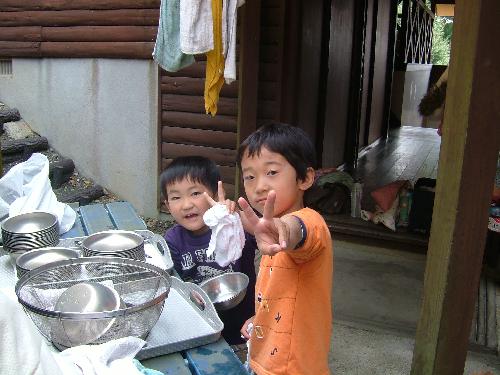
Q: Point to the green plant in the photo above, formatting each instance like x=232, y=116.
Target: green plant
x=441, y=40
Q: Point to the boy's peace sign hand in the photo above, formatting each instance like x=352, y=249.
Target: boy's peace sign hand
x=221, y=196
x=271, y=234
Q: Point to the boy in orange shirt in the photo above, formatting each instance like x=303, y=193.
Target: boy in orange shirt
x=293, y=318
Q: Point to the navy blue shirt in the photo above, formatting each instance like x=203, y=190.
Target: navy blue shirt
x=189, y=254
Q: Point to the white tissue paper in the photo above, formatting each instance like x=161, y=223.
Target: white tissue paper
x=26, y=188
x=228, y=237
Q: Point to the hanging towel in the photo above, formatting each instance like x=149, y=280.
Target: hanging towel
x=167, y=52
x=228, y=237
x=229, y=20
x=196, y=26
x=215, y=62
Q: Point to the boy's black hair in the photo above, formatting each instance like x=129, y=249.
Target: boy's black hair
x=291, y=142
x=196, y=168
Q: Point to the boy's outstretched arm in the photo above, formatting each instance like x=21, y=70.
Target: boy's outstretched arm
x=272, y=234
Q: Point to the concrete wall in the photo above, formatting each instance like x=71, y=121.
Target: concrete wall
x=102, y=113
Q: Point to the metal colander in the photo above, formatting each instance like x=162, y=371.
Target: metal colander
x=142, y=289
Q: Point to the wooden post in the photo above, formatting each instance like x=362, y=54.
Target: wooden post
x=469, y=149
x=248, y=79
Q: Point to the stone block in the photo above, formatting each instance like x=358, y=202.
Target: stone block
x=18, y=129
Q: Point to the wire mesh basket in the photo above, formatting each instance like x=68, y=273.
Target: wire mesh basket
x=142, y=289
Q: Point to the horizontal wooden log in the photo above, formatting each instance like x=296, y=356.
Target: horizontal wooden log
x=194, y=86
x=211, y=138
x=199, y=121
x=9, y=114
x=20, y=49
x=120, y=17
x=19, y=146
x=219, y=156
x=83, y=196
x=228, y=174
x=26, y=5
x=196, y=104
x=195, y=70
x=21, y=33
x=99, y=34
x=133, y=50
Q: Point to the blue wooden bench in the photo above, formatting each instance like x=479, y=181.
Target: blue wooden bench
x=214, y=358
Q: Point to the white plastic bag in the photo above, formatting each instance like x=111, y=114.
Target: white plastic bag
x=26, y=188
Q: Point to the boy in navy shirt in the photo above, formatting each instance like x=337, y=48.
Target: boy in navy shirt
x=183, y=184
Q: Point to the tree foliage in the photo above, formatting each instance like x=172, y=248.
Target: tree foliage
x=441, y=40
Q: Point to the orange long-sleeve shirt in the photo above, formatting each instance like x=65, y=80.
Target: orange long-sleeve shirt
x=293, y=320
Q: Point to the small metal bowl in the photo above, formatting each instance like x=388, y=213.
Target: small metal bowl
x=35, y=258
x=226, y=290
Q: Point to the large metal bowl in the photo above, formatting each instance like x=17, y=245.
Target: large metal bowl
x=117, y=243
x=226, y=290
x=35, y=258
x=142, y=289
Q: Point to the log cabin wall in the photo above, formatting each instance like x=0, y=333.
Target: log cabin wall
x=187, y=130
x=78, y=28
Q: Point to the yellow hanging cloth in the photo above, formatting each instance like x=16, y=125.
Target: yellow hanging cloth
x=215, y=62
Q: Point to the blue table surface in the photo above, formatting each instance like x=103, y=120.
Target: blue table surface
x=214, y=358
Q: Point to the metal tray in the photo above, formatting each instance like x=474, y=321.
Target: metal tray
x=184, y=323
x=152, y=242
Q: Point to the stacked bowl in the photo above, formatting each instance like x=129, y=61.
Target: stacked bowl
x=25, y=232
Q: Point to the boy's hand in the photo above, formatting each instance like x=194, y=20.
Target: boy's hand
x=245, y=331
x=271, y=234
x=221, y=194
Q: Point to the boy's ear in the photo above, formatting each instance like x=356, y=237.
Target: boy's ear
x=308, y=181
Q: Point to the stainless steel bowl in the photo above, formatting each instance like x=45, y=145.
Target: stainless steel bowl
x=117, y=243
x=29, y=223
x=85, y=297
x=226, y=290
x=36, y=258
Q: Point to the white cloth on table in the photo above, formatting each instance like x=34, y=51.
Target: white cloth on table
x=110, y=358
x=228, y=236
x=26, y=188
x=196, y=26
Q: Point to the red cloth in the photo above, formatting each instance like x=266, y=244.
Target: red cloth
x=384, y=196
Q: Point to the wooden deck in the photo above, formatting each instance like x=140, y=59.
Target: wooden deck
x=409, y=153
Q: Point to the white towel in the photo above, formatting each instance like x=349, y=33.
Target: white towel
x=229, y=20
x=228, y=237
x=110, y=358
x=196, y=26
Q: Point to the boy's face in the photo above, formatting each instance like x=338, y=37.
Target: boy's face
x=187, y=204
x=271, y=171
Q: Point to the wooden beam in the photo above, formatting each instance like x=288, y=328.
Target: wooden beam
x=119, y=17
x=248, y=69
x=198, y=121
x=210, y=138
x=98, y=34
x=25, y=5
x=469, y=150
x=133, y=50
x=21, y=34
